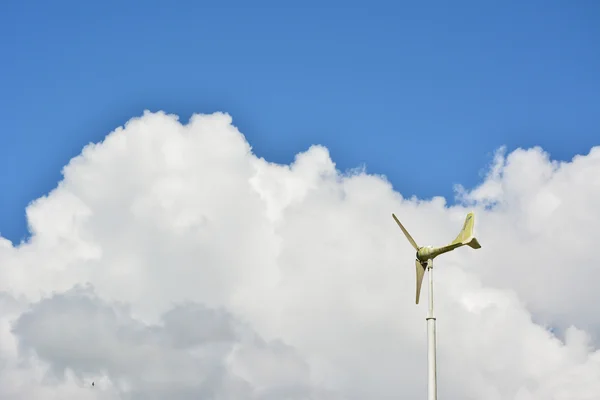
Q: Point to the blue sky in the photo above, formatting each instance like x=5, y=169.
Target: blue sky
x=421, y=93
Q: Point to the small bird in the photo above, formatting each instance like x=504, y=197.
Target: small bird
x=92, y=383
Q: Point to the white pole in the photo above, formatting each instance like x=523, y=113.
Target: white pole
x=432, y=377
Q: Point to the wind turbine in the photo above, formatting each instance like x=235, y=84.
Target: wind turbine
x=424, y=261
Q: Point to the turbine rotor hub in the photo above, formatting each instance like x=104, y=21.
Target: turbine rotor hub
x=424, y=253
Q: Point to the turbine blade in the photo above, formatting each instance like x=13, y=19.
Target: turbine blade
x=420, y=273
x=410, y=239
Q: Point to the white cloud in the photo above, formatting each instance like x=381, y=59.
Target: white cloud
x=171, y=262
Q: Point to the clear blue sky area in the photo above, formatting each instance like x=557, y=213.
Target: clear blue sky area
x=422, y=92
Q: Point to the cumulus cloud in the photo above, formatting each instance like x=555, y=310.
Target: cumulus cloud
x=172, y=262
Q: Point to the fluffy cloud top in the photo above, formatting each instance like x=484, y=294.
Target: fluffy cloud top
x=171, y=262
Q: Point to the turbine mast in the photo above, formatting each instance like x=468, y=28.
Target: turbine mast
x=431, y=342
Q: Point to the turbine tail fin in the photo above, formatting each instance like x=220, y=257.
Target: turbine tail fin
x=474, y=244
x=420, y=273
x=465, y=237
